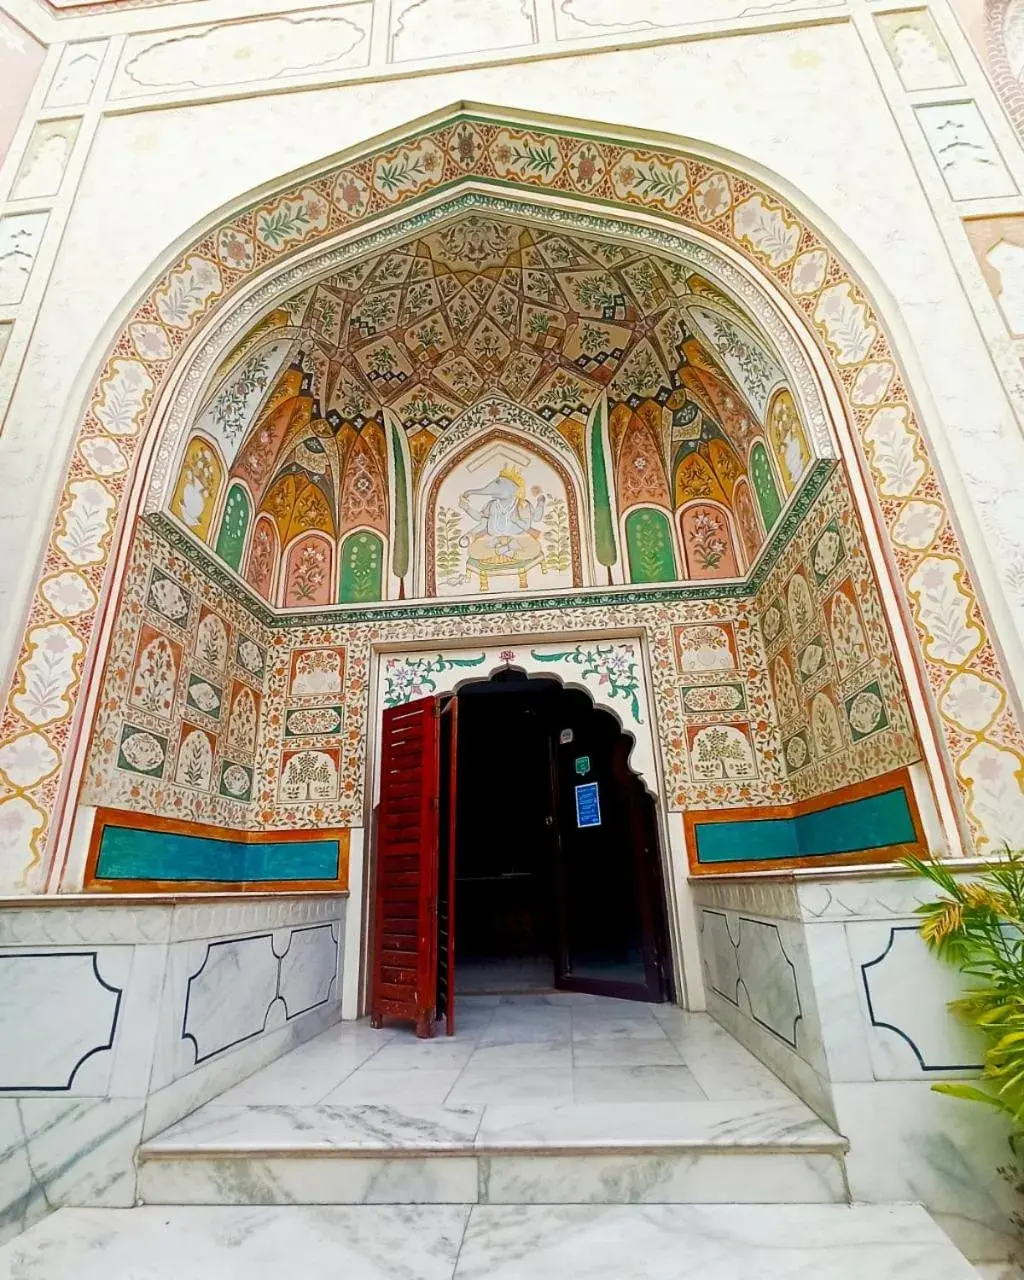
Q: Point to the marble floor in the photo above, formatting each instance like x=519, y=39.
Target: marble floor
x=489, y=1242
x=554, y=1048
x=537, y=1099
x=505, y=976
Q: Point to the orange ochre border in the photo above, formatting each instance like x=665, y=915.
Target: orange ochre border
x=125, y=818
x=898, y=779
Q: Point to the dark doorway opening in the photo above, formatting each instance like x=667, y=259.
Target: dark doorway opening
x=513, y=844
x=558, y=880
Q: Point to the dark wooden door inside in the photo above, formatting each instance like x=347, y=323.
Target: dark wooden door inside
x=599, y=839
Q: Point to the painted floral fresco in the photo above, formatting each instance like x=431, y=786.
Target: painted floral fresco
x=304, y=441
x=753, y=701
x=178, y=725
x=839, y=699
x=501, y=520
x=961, y=672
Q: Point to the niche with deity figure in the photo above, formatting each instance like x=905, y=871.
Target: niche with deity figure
x=502, y=518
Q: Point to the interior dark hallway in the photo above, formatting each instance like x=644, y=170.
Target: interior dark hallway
x=558, y=881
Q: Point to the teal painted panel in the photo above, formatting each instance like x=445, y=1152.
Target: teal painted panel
x=753, y=840
x=872, y=823
x=127, y=854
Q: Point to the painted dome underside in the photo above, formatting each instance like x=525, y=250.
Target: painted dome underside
x=330, y=420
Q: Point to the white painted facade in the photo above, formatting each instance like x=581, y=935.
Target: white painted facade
x=147, y=124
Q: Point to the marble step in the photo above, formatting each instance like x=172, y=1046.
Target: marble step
x=633, y=1153
x=489, y=1242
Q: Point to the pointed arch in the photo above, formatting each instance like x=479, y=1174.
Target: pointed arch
x=264, y=559
x=650, y=548
x=234, y=525
x=708, y=539
x=747, y=521
x=551, y=544
x=307, y=578
x=361, y=573
x=771, y=244
x=199, y=485
x=788, y=439
x=762, y=478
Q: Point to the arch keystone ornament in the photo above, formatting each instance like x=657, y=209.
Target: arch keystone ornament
x=259, y=250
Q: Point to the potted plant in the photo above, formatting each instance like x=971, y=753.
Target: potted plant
x=978, y=926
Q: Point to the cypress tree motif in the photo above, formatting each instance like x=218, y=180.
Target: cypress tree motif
x=604, y=527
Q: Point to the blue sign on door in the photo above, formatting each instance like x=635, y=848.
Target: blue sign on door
x=588, y=806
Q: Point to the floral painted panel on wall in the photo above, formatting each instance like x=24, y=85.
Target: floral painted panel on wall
x=157, y=745
x=736, y=718
x=827, y=642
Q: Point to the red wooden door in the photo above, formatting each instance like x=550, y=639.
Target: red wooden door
x=448, y=716
x=404, y=970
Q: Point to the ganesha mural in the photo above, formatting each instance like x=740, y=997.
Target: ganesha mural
x=503, y=519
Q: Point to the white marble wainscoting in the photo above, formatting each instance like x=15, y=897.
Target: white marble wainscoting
x=536, y=1100
x=120, y=1015
x=823, y=977
x=491, y=1242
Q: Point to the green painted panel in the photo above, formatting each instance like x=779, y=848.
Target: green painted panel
x=362, y=565
x=872, y=823
x=233, y=527
x=649, y=546
x=400, y=550
x=604, y=532
x=127, y=854
x=764, y=485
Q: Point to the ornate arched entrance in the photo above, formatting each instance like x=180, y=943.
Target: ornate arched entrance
x=732, y=407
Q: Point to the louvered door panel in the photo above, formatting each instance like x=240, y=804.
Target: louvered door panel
x=404, y=972
x=448, y=755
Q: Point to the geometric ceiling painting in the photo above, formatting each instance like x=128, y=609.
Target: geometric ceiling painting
x=318, y=436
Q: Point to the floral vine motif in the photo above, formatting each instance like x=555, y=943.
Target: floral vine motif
x=408, y=678
x=232, y=403
x=309, y=574
x=613, y=664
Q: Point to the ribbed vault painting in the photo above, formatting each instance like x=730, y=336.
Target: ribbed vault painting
x=619, y=418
